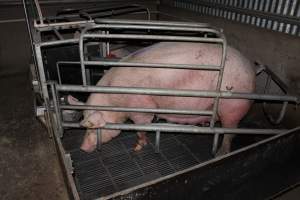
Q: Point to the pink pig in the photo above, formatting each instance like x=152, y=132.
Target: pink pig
x=239, y=76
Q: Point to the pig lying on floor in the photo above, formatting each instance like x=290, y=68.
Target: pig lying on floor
x=239, y=76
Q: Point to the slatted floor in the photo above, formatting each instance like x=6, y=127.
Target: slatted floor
x=117, y=166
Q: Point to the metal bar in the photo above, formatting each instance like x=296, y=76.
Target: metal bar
x=176, y=92
x=155, y=37
x=59, y=42
x=62, y=25
x=40, y=14
x=283, y=108
x=175, y=128
x=81, y=55
x=153, y=65
x=57, y=109
x=155, y=27
x=12, y=20
x=216, y=100
x=33, y=52
x=42, y=76
x=99, y=138
x=159, y=23
x=157, y=141
x=144, y=110
x=152, y=27
x=112, y=13
x=63, y=3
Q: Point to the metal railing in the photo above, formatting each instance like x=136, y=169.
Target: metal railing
x=105, y=36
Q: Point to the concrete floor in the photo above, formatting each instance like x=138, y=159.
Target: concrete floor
x=29, y=167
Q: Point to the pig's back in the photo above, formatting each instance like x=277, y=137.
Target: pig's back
x=238, y=74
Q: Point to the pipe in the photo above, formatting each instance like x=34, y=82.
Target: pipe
x=175, y=128
x=175, y=92
x=157, y=23
x=155, y=37
x=217, y=98
x=153, y=65
x=143, y=110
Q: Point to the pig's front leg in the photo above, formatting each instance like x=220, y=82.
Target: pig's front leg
x=142, y=141
x=142, y=138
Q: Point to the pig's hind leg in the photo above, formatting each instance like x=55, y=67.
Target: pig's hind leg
x=230, y=113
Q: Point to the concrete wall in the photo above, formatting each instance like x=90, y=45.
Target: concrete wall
x=14, y=42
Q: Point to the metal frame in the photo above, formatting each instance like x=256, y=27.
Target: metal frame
x=153, y=26
x=51, y=90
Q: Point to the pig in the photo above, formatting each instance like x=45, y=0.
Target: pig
x=239, y=76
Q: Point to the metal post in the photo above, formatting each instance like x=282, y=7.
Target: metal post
x=217, y=98
x=99, y=139
x=57, y=109
x=157, y=141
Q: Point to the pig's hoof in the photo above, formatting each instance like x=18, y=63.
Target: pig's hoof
x=140, y=144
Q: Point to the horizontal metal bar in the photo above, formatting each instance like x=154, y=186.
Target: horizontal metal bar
x=65, y=2
x=144, y=110
x=153, y=65
x=160, y=23
x=6, y=21
x=62, y=25
x=176, y=92
x=153, y=27
x=175, y=128
x=154, y=37
x=58, y=42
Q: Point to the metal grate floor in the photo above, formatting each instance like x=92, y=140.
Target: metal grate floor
x=117, y=167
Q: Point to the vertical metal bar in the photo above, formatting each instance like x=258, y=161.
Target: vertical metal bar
x=99, y=138
x=37, y=5
x=41, y=71
x=217, y=99
x=157, y=141
x=58, y=72
x=31, y=39
x=57, y=109
x=82, y=59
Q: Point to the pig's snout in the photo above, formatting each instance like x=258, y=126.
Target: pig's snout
x=89, y=142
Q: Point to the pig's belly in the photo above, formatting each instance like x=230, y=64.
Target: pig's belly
x=186, y=103
x=180, y=119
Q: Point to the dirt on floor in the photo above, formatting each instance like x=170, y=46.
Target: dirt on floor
x=29, y=167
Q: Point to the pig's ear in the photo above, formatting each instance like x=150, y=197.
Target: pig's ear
x=73, y=101
x=94, y=120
